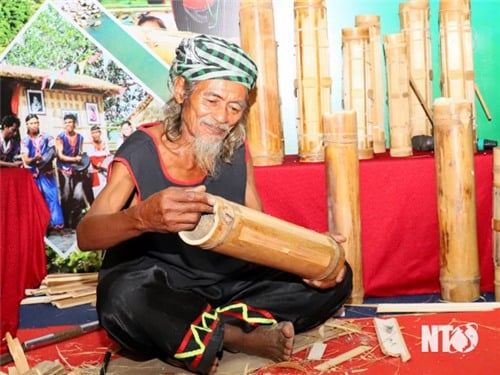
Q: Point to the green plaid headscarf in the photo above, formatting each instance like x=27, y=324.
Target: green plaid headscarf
x=207, y=57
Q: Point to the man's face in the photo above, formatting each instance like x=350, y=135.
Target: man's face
x=11, y=131
x=69, y=125
x=126, y=130
x=33, y=126
x=214, y=108
x=96, y=135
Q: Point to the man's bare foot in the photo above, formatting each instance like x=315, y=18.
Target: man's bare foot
x=274, y=342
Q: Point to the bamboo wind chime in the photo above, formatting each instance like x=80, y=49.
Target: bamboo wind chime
x=398, y=88
x=264, y=126
x=457, y=59
x=496, y=219
x=356, y=84
x=256, y=237
x=376, y=93
x=456, y=199
x=414, y=22
x=313, y=83
x=342, y=186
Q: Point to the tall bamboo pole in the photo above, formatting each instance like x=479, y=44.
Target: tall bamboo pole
x=457, y=55
x=398, y=87
x=456, y=198
x=414, y=20
x=313, y=81
x=356, y=84
x=376, y=92
x=264, y=126
x=342, y=186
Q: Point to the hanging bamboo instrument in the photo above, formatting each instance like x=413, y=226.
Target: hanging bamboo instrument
x=256, y=237
x=457, y=55
x=397, y=94
x=356, y=84
x=376, y=93
x=456, y=200
x=313, y=83
x=342, y=186
x=264, y=126
x=496, y=219
x=414, y=22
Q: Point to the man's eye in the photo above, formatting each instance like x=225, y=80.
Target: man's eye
x=235, y=109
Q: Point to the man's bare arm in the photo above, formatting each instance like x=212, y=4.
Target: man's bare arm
x=171, y=210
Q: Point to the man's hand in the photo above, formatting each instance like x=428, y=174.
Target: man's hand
x=330, y=283
x=174, y=209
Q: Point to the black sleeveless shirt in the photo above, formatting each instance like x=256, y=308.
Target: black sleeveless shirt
x=186, y=265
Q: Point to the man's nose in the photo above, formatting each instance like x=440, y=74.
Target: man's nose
x=220, y=114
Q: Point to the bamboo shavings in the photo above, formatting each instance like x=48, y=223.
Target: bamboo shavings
x=286, y=364
x=343, y=357
x=332, y=328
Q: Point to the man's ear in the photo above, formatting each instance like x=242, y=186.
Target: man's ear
x=179, y=89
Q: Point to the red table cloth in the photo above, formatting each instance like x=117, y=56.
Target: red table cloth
x=399, y=222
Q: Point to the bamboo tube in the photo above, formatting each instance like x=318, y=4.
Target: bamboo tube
x=342, y=186
x=398, y=88
x=264, y=126
x=456, y=198
x=376, y=93
x=414, y=21
x=313, y=83
x=356, y=84
x=457, y=59
x=251, y=235
x=496, y=219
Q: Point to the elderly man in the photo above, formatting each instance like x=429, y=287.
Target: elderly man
x=161, y=297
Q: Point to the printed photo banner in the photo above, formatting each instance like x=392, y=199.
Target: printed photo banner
x=106, y=64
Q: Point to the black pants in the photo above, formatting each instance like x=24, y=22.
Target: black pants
x=76, y=196
x=141, y=311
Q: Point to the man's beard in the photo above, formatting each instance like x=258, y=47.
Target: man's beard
x=208, y=149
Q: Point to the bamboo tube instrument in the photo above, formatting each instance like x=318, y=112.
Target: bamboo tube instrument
x=414, y=20
x=356, y=84
x=457, y=54
x=456, y=200
x=313, y=83
x=264, y=126
x=397, y=95
x=376, y=92
x=256, y=237
x=342, y=187
x=496, y=219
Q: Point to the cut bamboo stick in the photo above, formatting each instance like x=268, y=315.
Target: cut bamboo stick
x=343, y=358
x=70, y=302
x=17, y=353
x=436, y=307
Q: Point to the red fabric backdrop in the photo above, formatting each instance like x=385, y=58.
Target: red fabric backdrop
x=399, y=222
x=24, y=217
